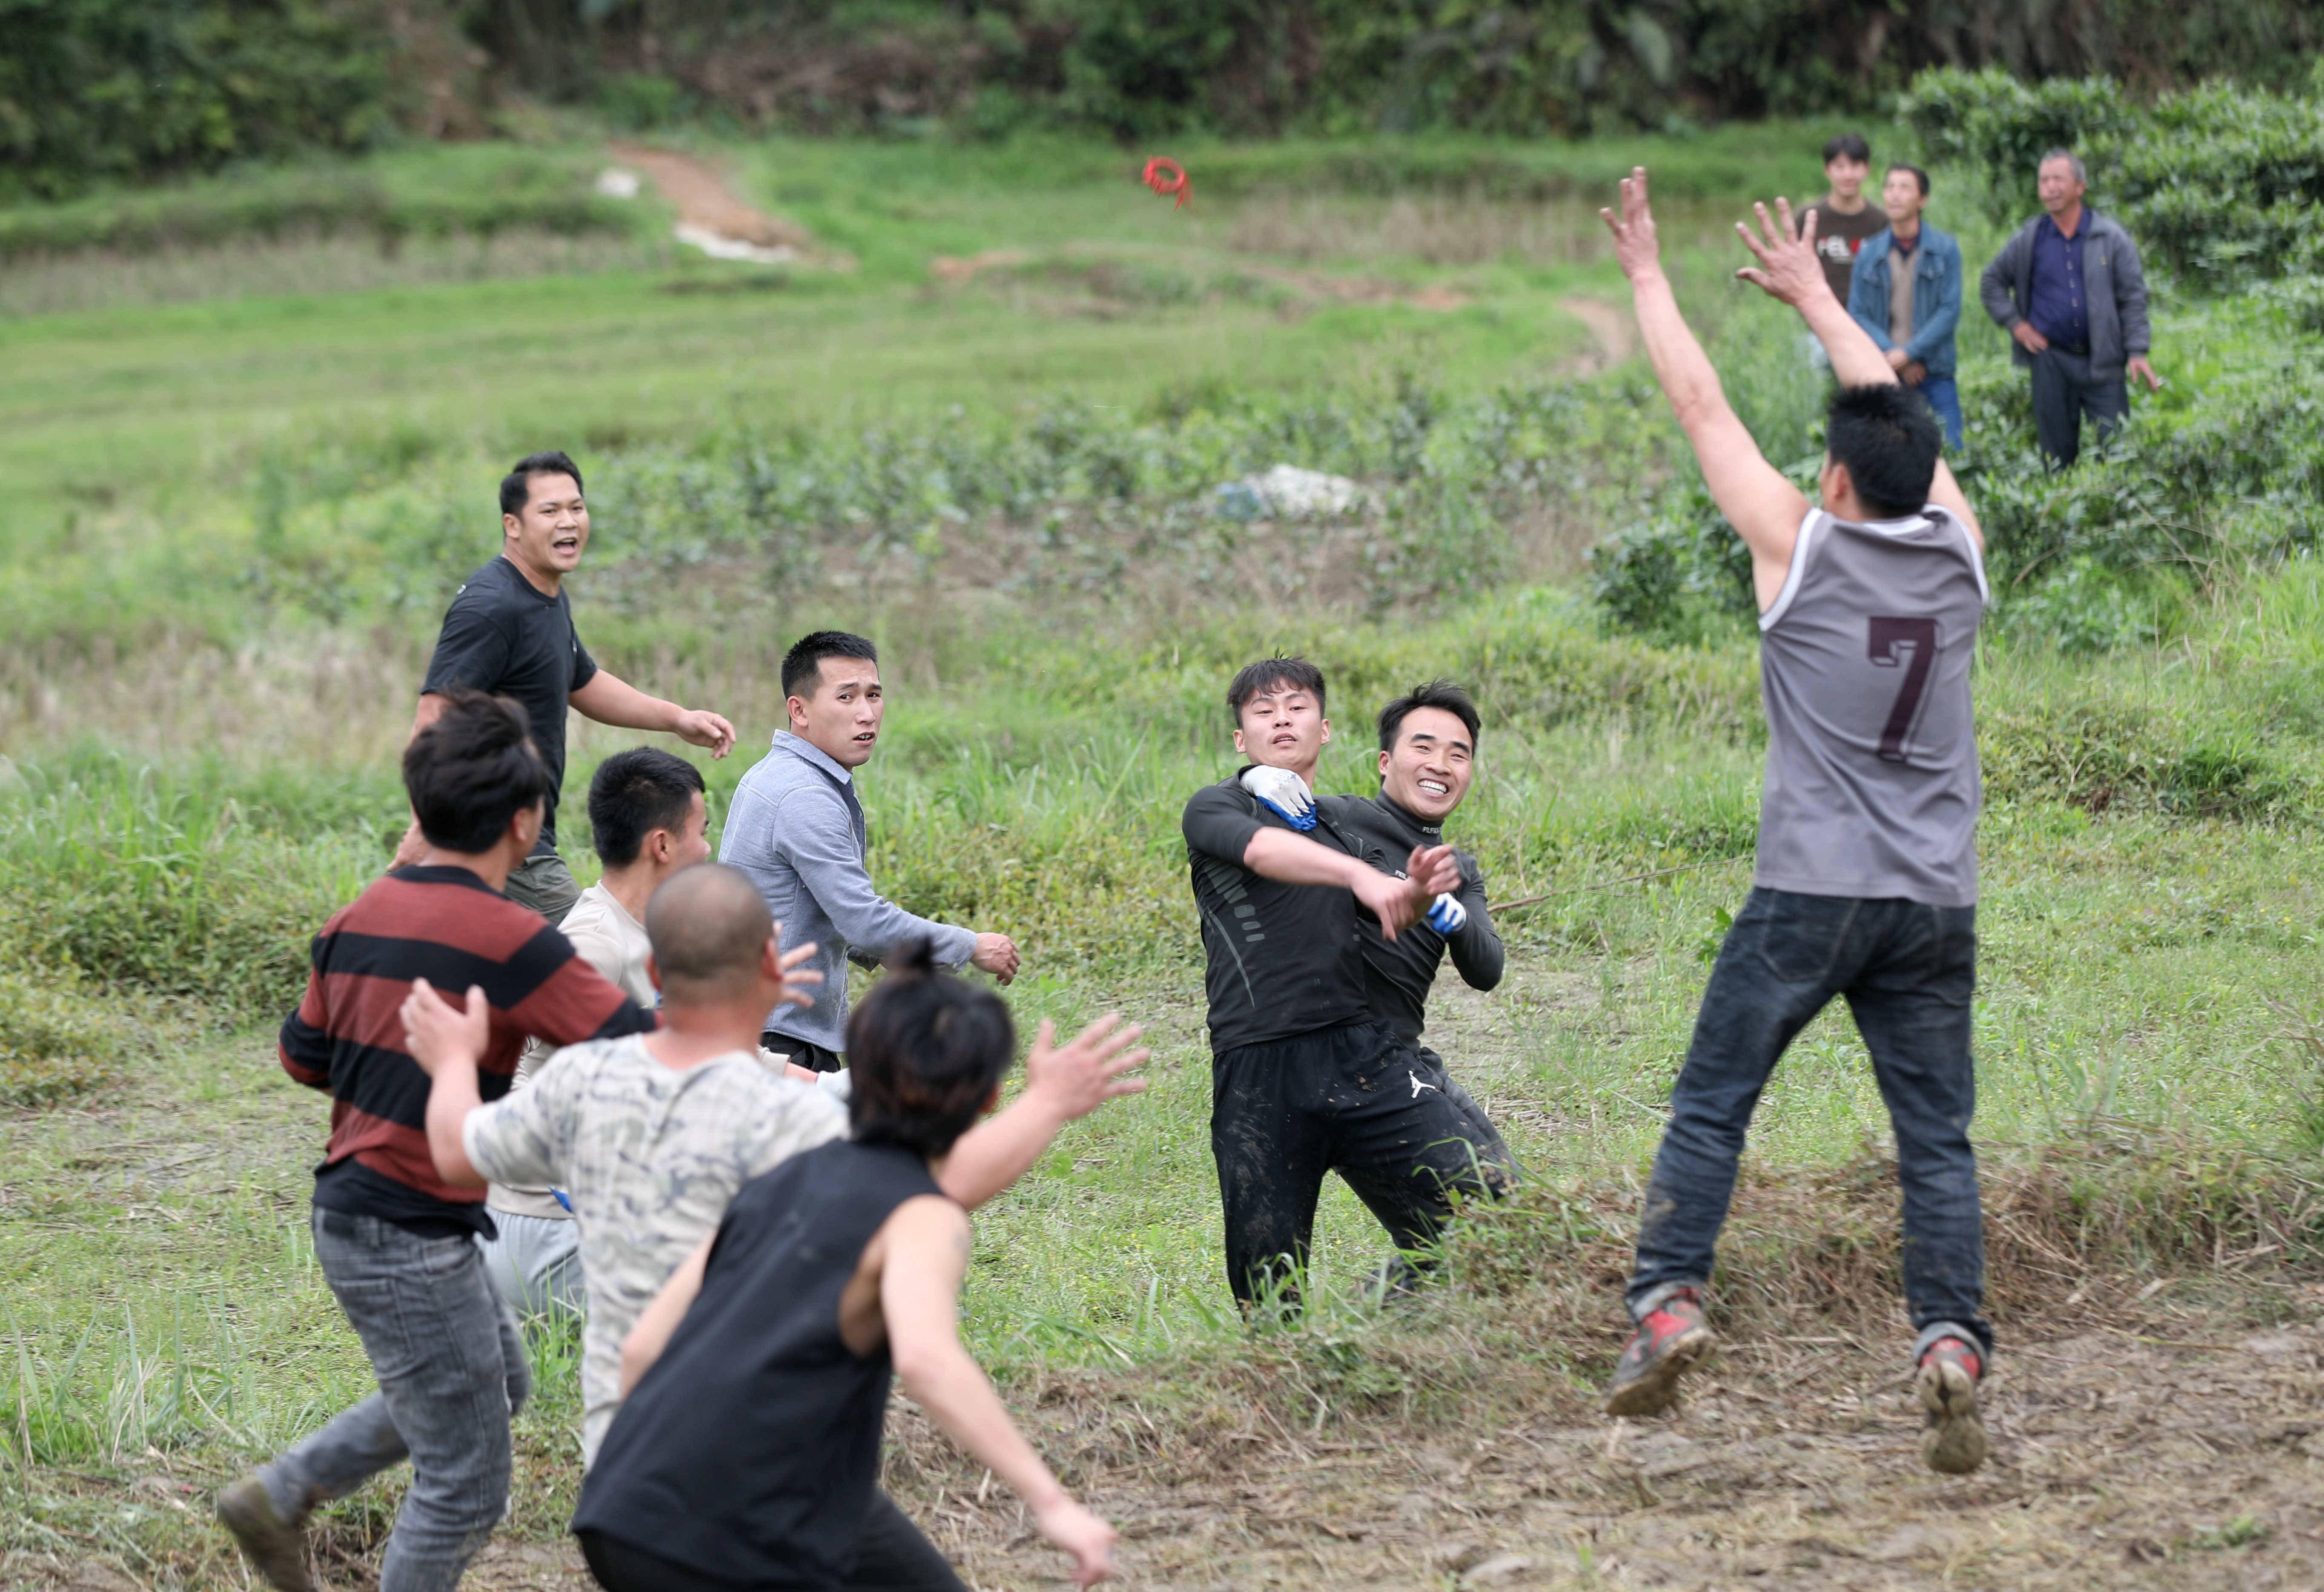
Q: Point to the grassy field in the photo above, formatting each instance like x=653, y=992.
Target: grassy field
x=237, y=511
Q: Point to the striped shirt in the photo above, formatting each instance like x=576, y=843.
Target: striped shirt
x=447, y=926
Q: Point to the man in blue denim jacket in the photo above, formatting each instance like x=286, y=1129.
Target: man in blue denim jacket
x=1907, y=291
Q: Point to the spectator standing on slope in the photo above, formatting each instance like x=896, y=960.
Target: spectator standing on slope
x=2069, y=287
x=1907, y=291
x=1844, y=219
x=797, y=828
x=510, y=632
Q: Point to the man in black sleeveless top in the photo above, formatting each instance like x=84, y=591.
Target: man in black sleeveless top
x=746, y=1454
x=1866, y=888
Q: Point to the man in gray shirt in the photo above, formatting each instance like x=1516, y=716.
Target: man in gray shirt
x=1869, y=600
x=796, y=827
x=2069, y=290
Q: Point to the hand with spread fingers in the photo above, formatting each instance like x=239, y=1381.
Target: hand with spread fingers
x=1788, y=268
x=1637, y=248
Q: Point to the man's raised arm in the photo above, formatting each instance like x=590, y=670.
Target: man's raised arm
x=1788, y=270
x=1764, y=508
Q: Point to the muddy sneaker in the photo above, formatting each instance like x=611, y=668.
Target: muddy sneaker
x=1670, y=1342
x=1947, y=1382
x=276, y=1548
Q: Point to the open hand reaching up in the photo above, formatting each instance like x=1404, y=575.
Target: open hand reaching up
x=1635, y=247
x=1077, y=1078
x=1788, y=267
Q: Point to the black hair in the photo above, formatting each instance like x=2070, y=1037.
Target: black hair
x=925, y=1051
x=633, y=794
x=516, y=486
x=1919, y=176
x=1888, y=438
x=472, y=771
x=1267, y=675
x=1850, y=144
x=802, y=663
x=1436, y=693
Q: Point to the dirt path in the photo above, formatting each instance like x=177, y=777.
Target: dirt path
x=1617, y=333
x=710, y=215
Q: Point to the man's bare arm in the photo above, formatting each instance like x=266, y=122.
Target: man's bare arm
x=612, y=700
x=1764, y=508
x=1789, y=271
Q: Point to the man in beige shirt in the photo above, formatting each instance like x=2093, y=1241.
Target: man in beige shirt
x=649, y=820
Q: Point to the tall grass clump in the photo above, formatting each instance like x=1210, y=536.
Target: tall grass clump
x=132, y=878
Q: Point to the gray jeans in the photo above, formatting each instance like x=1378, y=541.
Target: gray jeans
x=543, y=884
x=451, y=1372
x=536, y=1264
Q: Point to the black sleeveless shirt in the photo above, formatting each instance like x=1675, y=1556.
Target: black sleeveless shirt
x=750, y=1451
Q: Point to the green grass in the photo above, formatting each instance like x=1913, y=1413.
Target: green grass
x=232, y=522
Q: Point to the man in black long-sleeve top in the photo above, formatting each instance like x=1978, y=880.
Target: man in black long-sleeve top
x=1427, y=760
x=1307, y=1076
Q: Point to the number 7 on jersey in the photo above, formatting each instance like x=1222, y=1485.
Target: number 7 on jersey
x=1887, y=639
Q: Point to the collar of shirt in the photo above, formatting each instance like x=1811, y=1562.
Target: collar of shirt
x=807, y=751
x=1904, y=246
x=1430, y=834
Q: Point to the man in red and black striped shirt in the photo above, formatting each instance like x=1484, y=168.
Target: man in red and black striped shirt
x=396, y=1242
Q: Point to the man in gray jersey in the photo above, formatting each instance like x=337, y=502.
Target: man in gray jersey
x=1867, y=884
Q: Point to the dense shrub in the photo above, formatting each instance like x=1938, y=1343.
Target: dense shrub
x=131, y=87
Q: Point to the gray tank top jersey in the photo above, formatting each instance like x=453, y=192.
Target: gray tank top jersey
x=1872, y=788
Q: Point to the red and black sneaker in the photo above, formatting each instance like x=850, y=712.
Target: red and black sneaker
x=1954, y=1441
x=1672, y=1341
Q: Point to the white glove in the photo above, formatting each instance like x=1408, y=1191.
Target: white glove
x=1446, y=914
x=1283, y=794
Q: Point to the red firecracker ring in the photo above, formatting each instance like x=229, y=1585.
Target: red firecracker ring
x=1166, y=176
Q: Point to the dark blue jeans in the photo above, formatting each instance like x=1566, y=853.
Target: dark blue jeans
x=1907, y=972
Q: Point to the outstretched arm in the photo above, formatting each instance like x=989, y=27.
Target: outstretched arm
x=928, y=1246
x=1062, y=1084
x=617, y=702
x=1789, y=271
x=651, y=1334
x=1764, y=508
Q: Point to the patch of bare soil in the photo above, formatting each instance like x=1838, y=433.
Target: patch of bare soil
x=2165, y=1459
x=708, y=212
x=1616, y=333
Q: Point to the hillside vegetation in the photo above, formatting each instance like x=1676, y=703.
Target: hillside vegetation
x=92, y=89
x=241, y=495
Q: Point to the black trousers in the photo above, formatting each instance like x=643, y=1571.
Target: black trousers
x=1355, y=1100
x=2064, y=391
x=813, y=1058
x=895, y=1558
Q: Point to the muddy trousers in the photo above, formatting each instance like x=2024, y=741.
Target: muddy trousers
x=1908, y=973
x=1355, y=1100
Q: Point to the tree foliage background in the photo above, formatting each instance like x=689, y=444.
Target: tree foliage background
x=92, y=89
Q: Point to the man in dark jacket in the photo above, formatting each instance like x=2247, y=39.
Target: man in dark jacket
x=1907, y=291
x=2069, y=287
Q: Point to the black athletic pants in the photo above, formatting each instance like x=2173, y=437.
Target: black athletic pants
x=2064, y=391
x=1355, y=1100
x=895, y=1558
x=812, y=1057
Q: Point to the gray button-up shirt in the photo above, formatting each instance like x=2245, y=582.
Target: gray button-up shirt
x=797, y=828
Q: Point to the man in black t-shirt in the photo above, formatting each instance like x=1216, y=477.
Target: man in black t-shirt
x=510, y=632
x=1845, y=220
x=1304, y=1078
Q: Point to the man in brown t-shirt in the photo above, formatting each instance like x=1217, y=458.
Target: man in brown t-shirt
x=1843, y=217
